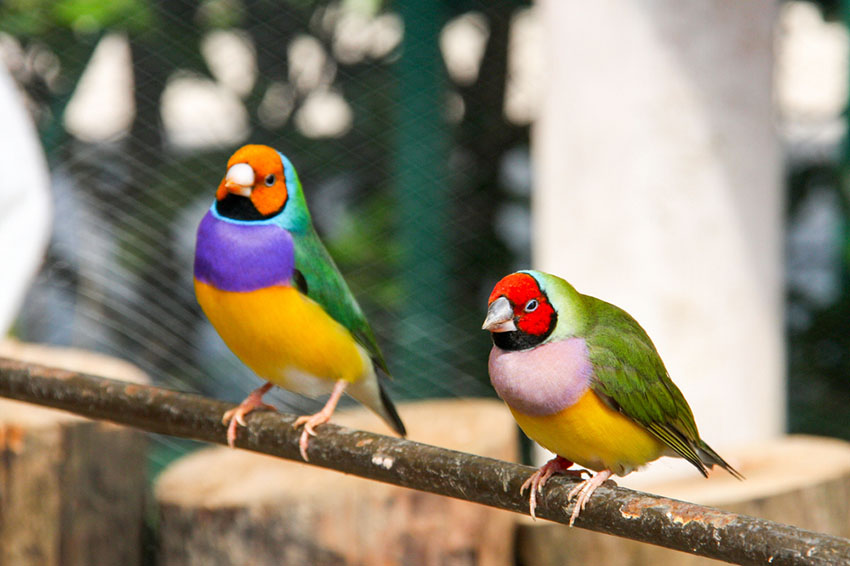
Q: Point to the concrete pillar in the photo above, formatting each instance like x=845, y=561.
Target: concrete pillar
x=658, y=189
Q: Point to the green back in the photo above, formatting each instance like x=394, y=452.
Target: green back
x=325, y=283
x=631, y=377
x=326, y=286
x=628, y=372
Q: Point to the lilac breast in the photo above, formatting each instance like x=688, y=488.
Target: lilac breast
x=543, y=380
x=242, y=257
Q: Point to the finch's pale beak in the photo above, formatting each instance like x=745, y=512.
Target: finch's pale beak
x=500, y=316
x=239, y=179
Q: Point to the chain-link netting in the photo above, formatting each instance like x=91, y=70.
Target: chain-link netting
x=408, y=125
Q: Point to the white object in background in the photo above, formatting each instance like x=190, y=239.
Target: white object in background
x=102, y=107
x=25, y=204
x=658, y=188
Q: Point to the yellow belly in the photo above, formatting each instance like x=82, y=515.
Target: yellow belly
x=593, y=435
x=285, y=337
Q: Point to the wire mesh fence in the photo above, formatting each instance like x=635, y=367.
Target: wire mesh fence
x=408, y=125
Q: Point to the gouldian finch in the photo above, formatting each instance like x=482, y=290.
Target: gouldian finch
x=583, y=380
x=275, y=296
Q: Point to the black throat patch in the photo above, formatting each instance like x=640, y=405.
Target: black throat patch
x=517, y=340
x=238, y=207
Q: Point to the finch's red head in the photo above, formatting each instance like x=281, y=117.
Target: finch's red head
x=254, y=187
x=519, y=305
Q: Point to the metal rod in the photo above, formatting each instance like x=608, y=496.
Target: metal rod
x=614, y=510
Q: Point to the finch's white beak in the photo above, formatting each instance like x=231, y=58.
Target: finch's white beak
x=239, y=179
x=500, y=316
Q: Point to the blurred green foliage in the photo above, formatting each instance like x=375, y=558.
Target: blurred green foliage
x=818, y=299
x=38, y=18
x=819, y=323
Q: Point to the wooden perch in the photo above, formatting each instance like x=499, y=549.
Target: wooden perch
x=665, y=522
x=218, y=505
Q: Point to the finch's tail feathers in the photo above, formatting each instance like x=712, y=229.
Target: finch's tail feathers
x=390, y=413
x=710, y=458
x=370, y=391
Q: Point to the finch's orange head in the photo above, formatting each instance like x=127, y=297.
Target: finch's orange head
x=254, y=186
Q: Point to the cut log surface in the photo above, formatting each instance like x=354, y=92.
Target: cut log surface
x=224, y=506
x=798, y=480
x=71, y=490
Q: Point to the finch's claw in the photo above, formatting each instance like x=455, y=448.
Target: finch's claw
x=236, y=416
x=584, y=490
x=312, y=421
x=539, y=478
x=303, y=442
x=309, y=422
x=231, y=434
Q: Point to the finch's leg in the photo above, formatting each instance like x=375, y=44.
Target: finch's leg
x=323, y=416
x=584, y=490
x=237, y=416
x=539, y=478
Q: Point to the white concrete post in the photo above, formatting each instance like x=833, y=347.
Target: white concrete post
x=658, y=189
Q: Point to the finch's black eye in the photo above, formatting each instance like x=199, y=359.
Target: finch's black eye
x=270, y=180
x=531, y=305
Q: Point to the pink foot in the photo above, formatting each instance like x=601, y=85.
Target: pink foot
x=309, y=422
x=237, y=416
x=539, y=478
x=584, y=490
x=312, y=421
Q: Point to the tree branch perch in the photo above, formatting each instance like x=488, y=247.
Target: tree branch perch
x=623, y=512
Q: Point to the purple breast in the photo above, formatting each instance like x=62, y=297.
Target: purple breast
x=242, y=257
x=543, y=380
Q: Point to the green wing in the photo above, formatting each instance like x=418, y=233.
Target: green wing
x=321, y=280
x=631, y=378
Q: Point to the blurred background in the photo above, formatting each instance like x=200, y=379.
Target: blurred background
x=409, y=124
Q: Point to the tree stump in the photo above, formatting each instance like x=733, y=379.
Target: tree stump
x=224, y=506
x=71, y=490
x=798, y=480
